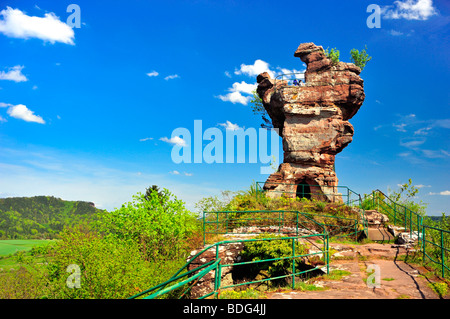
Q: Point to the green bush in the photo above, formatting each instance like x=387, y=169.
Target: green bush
x=109, y=268
x=360, y=59
x=333, y=55
x=158, y=221
x=269, y=248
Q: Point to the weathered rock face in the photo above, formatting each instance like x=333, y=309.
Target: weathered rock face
x=313, y=121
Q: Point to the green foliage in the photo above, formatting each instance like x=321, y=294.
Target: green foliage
x=257, y=107
x=269, y=248
x=249, y=293
x=110, y=268
x=214, y=203
x=130, y=249
x=441, y=288
x=41, y=216
x=406, y=196
x=303, y=286
x=360, y=59
x=160, y=223
x=11, y=246
x=333, y=55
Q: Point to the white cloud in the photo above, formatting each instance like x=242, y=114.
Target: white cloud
x=146, y=139
x=418, y=186
x=14, y=74
x=153, y=73
x=230, y=126
x=443, y=193
x=170, y=77
x=243, y=87
x=258, y=67
x=395, y=33
x=400, y=127
x=21, y=112
x=409, y=10
x=240, y=92
x=445, y=123
x=435, y=154
x=176, y=140
x=16, y=24
x=2, y=119
x=413, y=143
x=5, y=104
x=175, y=172
x=235, y=97
x=188, y=174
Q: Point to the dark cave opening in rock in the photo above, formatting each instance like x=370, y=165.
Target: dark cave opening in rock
x=303, y=190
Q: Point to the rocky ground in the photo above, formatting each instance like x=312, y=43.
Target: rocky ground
x=397, y=279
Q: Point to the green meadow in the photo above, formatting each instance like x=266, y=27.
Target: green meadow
x=11, y=246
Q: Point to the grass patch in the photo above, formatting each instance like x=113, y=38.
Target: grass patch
x=12, y=246
x=336, y=274
x=388, y=279
x=440, y=288
x=249, y=293
x=303, y=286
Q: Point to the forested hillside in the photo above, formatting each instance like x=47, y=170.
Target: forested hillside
x=41, y=216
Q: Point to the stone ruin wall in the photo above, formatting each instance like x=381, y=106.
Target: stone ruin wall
x=313, y=121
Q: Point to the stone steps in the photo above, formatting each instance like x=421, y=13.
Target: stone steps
x=379, y=233
x=376, y=226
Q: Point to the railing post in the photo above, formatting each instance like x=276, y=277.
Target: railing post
x=325, y=253
x=405, y=219
x=442, y=254
x=226, y=222
x=410, y=223
x=423, y=244
x=293, y=263
x=204, y=229
x=218, y=273
x=217, y=222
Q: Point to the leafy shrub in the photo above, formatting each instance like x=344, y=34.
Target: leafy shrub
x=333, y=55
x=360, y=59
x=109, y=268
x=269, y=248
x=158, y=221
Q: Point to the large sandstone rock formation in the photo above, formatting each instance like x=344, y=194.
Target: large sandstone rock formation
x=313, y=121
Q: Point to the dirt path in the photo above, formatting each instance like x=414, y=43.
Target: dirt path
x=397, y=279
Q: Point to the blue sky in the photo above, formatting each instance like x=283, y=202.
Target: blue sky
x=87, y=113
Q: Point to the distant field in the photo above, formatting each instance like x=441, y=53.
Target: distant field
x=10, y=246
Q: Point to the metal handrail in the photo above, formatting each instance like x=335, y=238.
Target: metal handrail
x=405, y=221
x=215, y=264
x=349, y=191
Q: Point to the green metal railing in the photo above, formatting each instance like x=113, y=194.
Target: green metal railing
x=351, y=197
x=289, y=80
x=292, y=226
x=241, y=222
x=216, y=266
x=439, y=239
x=399, y=215
x=339, y=193
x=433, y=242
